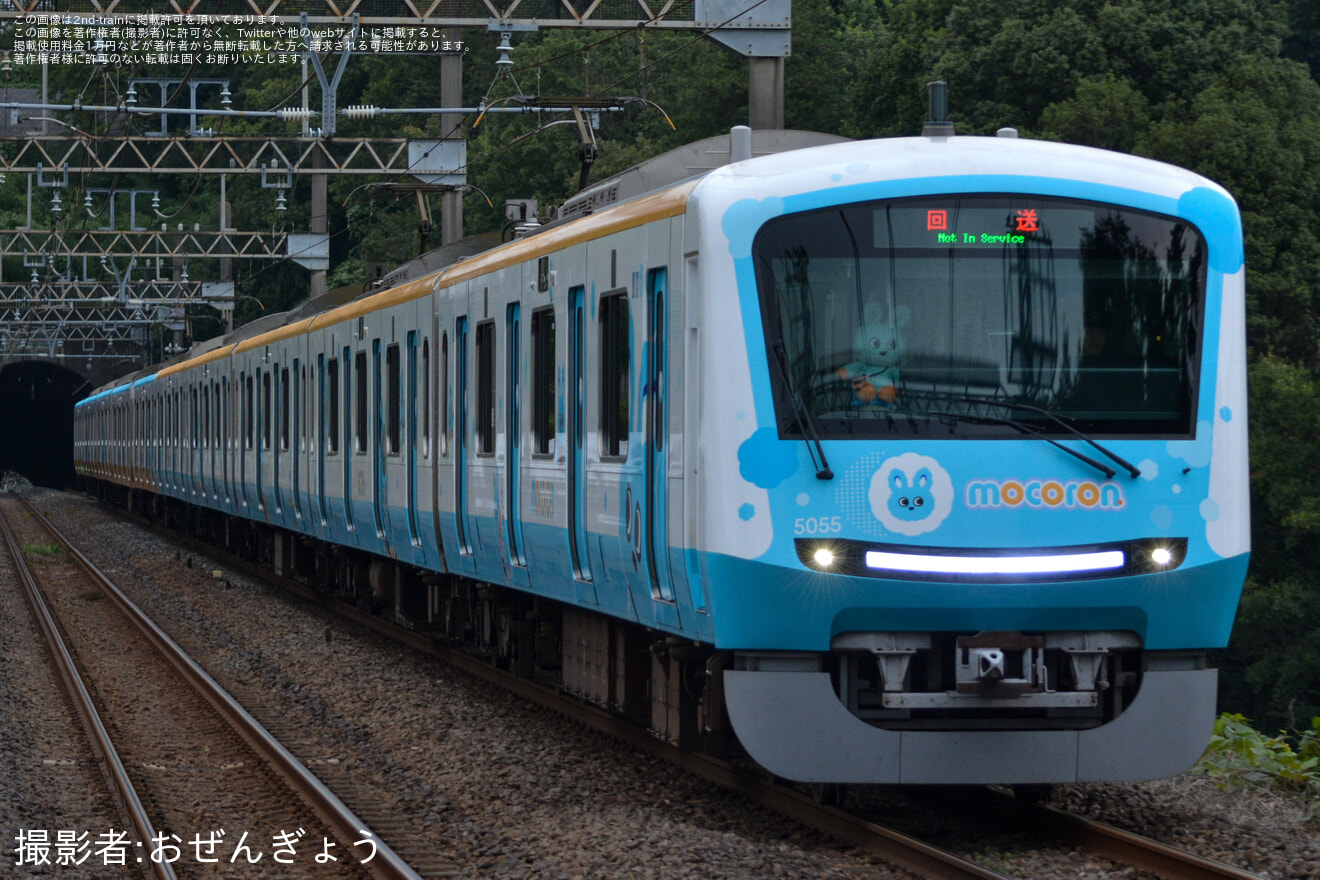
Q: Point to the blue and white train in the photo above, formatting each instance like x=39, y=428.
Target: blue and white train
x=919, y=460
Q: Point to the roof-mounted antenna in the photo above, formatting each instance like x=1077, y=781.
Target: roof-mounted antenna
x=938, y=125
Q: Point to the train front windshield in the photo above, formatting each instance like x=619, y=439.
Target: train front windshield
x=969, y=315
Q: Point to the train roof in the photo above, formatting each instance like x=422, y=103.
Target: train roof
x=961, y=157
x=661, y=188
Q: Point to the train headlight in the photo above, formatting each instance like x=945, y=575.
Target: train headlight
x=824, y=557
x=1161, y=556
x=951, y=564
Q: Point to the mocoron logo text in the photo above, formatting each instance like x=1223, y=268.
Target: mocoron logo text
x=1048, y=494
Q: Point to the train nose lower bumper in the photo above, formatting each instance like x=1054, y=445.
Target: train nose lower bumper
x=793, y=724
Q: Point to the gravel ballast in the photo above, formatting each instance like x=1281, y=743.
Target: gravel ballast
x=507, y=790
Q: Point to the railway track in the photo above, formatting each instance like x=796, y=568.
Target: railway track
x=902, y=850
x=177, y=745
x=893, y=846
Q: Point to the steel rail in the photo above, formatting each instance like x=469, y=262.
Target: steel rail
x=899, y=849
x=1105, y=840
x=97, y=736
x=892, y=846
x=385, y=864
x=1132, y=849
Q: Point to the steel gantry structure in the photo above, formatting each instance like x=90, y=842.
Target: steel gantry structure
x=82, y=288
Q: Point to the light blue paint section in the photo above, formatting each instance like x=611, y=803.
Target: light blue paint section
x=1215, y=214
x=765, y=461
x=1195, y=452
x=760, y=606
x=744, y=218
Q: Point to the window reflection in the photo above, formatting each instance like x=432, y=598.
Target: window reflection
x=913, y=316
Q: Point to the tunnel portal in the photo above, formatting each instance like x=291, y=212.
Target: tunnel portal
x=36, y=421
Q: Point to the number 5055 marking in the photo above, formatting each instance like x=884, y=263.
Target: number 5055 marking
x=817, y=525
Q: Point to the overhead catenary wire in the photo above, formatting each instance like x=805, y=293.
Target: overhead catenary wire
x=463, y=121
x=648, y=66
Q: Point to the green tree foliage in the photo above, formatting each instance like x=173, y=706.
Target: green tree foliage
x=1238, y=754
x=1256, y=130
x=1224, y=87
x=1107, y=113
x=1272, y=665
x=1009, y=61
x=1303, y=41
x=1204, y=84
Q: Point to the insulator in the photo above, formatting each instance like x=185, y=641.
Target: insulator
x=225, y=96
x=55, y=206
x=280, y=203
x=505, y=48
x=361, y=111
x=295, y=113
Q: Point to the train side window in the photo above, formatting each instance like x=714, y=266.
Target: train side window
x=444, y=395
x=360, y=401
x=284, y=410
x=426, y=398
x=332, y=414
x=486, y=388
x=543, y=381
x=393, y=401
x=614, y=363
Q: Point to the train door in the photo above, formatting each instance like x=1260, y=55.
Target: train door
x=245, y=438
x=396, y=492
x=656, y=390
x=379, y=491
x=295, y=442
x=577, y=474
x=410, y=428
x=263, y=435
x=195, y=486
x=444, y=478
x=215, y=466
x=326, y=384
x=201, y=403
x=279, y=429
x=203, y=443
x=349, y=439
x=513, y=435
x=227, y=440
x=461, y=435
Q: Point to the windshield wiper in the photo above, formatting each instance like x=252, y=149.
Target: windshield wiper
x=822, y=467
x=1027, y=429
x=1113, y=456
